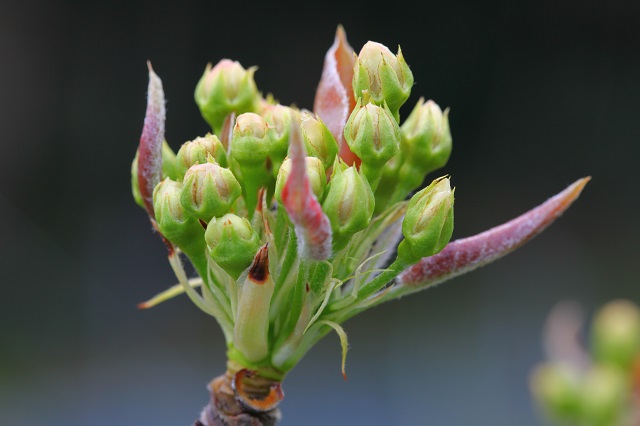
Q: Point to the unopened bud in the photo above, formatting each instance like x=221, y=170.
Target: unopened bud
x=198, y=151
x=279, y=118
x=250, y=147
x=318, y=140
x=605, y=394
x=349, y=204
x=315, y=172
x=224, y=89
x=426, y=137
x=425, y=145
x=232, y=243
x=616, y=334
x=209, y=190
x=373, y=135
x=428, y=223
x=385, y=76
x=557, y=389
x=174, y=222
x=250, y=143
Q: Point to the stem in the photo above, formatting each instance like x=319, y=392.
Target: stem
x=225, y=409
x=382, y=279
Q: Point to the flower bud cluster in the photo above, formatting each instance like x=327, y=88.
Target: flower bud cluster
x=280, y=210
x=595, y=387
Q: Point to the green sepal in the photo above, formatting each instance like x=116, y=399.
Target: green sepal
x=232, y=243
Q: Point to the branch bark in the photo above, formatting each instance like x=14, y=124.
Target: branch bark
x=225, y=409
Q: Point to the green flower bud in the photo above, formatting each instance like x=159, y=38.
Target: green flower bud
x=169, y=165
x=428, y=223
x=168, y=171
x=250, y=147
x=174, y=222
x=224, y=89
x=349, y=204
x=232, y=243
x=318, y=140
x=426, y=137
x=373, y=135
x=209, y=190
x=425, y=145
x=605, y=393
x=198, y=151
x=135, y=188
x=387, y=78
x=250, y=143
x=557, y=388
x=616, y=334
x=315, y=172
x=279, y=118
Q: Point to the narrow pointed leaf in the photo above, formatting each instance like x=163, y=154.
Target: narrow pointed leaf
x=464, y=255
x=334, y=98
x=169, y=293
x=312, y=225
x=150, y=149
x=343, y=342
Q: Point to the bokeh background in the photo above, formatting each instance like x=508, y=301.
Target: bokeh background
x=541, y=93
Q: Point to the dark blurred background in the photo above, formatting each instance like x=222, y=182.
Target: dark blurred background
x=541, y=93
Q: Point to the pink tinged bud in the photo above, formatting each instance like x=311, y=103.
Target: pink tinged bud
x=334, y=97
x=250, y=143
x=224, y=89
x=199, y=151
x=280, y=119
x=315, y=173
x=384, y=76
x=209, y=191
x=312, y=226
x=464, y=255
x=150, y=148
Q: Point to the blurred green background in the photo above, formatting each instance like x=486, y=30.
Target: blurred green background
x=541, y=93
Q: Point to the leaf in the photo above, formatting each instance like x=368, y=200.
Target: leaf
x=169, y=293
x=150, y=148
x=312, y=225
x=334, y=99
x=343, y=341
x=462, y=256
x=325, y=301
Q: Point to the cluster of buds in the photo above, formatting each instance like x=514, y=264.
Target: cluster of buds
x=291, y=218
x=599, y=386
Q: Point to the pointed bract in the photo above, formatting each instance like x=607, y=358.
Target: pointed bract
x=334, y=96
x=311, y=224
x=464, y=255
x=150, y=149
